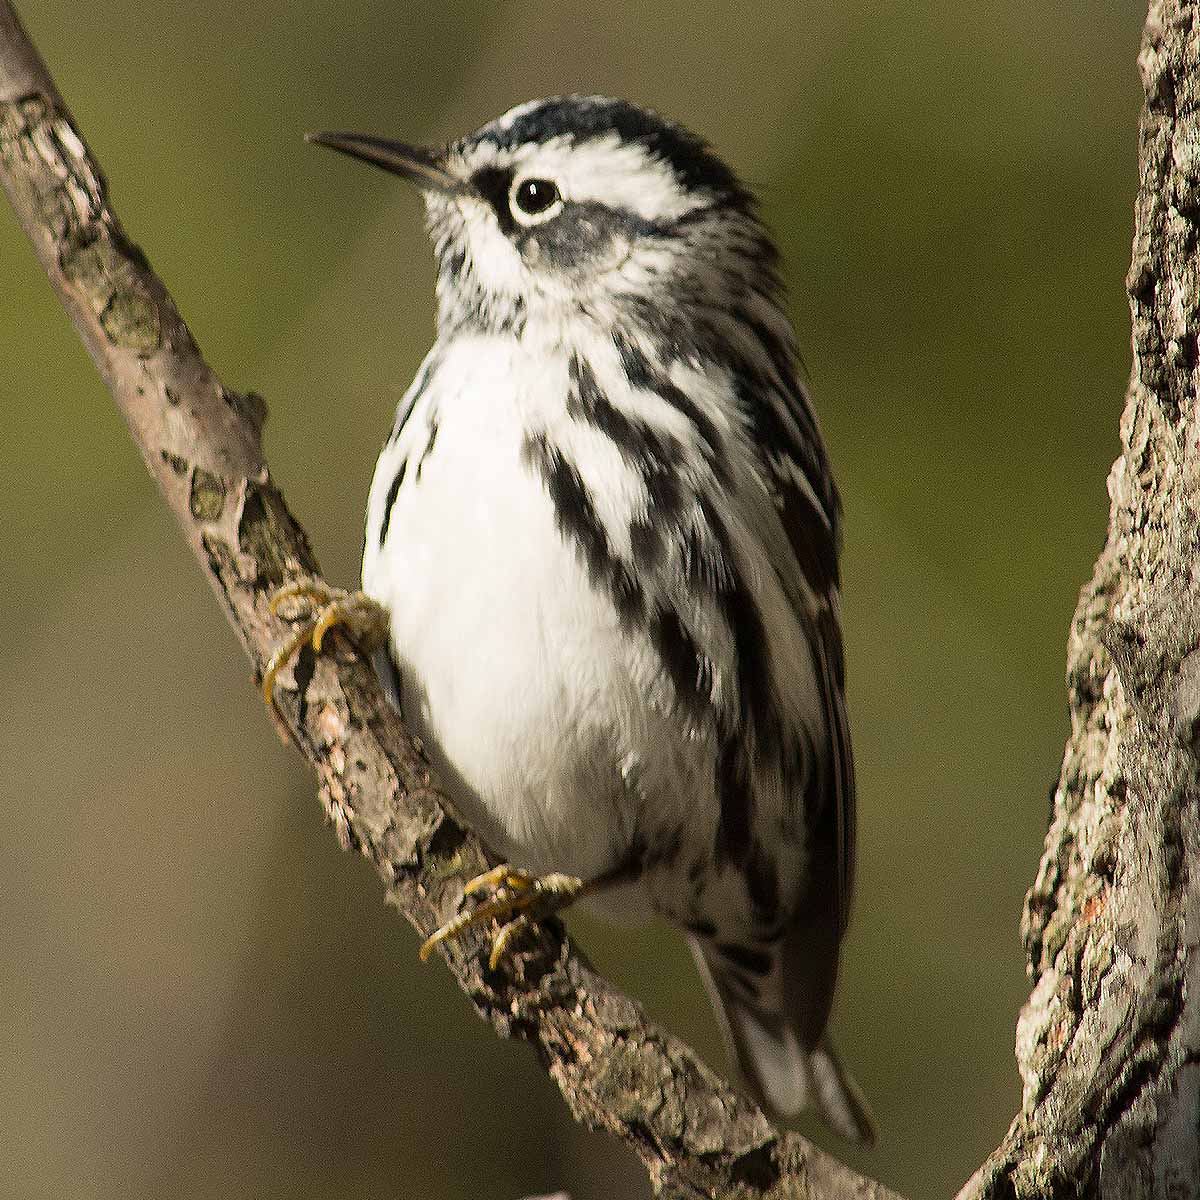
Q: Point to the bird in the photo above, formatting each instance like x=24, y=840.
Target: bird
x=601, y=566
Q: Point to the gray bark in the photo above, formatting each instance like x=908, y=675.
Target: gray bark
x=1108, y=1044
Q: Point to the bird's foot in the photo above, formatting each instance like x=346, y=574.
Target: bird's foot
x=319, y=608
x=519, y=898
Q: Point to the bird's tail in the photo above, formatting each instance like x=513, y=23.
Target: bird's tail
x=786, y=1071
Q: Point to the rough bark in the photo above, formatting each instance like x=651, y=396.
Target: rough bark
x=1108, y=1044
x=201, y=442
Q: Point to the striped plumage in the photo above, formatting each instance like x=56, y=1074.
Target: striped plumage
x=606, y=533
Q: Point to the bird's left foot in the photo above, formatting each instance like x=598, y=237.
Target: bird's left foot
x=519, y=898
x=319, y=608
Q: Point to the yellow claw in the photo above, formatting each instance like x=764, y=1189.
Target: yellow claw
x=336, y=612
x=281, y=658
x=477, y=916
x=501, y=876
x=440, y=935
x=520, y=896
x=507, y=932
x=307, y=589
x=362, y=617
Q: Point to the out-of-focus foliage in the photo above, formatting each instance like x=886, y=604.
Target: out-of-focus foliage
x=200, y=996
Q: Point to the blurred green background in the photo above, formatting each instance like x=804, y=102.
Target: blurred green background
x=200, y=996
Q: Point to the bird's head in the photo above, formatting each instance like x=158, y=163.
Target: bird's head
x=576, y=205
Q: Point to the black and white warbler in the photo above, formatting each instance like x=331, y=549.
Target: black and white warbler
x=602, y=553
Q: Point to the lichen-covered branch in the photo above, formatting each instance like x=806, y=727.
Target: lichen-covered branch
x=201, y=442
x=1108, y=1044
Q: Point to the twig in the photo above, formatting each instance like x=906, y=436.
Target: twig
x=201, y=442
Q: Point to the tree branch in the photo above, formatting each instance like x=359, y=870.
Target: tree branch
x=201, y=442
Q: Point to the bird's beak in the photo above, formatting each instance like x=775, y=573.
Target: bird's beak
x=423, y=166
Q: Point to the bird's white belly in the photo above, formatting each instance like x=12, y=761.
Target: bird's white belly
x=514, y=670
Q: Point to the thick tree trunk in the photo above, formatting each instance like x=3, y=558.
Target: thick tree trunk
x=1108, y=1044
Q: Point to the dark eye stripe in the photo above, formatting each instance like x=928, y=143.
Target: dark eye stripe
x=494, y=184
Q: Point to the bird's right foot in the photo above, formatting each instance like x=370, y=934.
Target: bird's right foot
x=319, y=609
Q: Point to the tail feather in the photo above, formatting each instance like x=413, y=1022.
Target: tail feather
x=785, y=1075
x=838, y=1098
x=768, y=1053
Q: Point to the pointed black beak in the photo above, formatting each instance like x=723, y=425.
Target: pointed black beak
x=422, y=166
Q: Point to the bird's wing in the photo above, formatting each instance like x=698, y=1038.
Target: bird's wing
x=798, y=474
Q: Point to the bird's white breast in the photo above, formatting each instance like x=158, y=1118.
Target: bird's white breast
x=536, y=706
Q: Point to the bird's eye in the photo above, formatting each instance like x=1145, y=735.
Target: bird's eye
x=537, y=198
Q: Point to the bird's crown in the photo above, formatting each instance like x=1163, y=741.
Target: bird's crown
x=606, y=150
